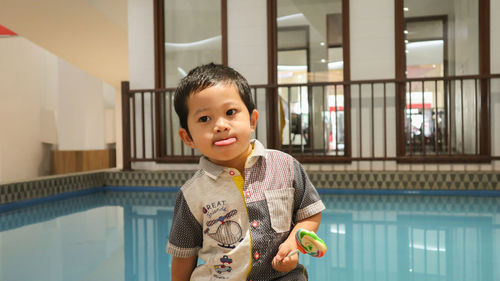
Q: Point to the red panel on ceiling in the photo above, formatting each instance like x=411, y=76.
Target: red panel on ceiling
x=5, y=31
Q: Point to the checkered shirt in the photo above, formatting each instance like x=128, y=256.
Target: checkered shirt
x=236, y=226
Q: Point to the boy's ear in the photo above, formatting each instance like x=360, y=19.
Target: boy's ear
x=253, y=119
x=186, y=138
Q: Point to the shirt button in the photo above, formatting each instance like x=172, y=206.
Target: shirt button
x=256, y=256
x=255, y=224
x=231, y=173
x=248, y=193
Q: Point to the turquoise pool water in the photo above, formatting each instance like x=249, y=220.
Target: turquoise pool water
x=122, y=236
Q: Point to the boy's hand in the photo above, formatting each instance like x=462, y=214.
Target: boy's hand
x=281, y=262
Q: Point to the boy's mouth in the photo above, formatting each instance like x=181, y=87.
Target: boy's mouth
x=227, y=141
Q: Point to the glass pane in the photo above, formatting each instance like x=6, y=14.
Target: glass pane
x=424, y=30
x=335, y=64
x=335, y=120
x=456, y=22
x=292, y=67
x=192, y=35
x=424, y=49
x=313, y=26
x=420, y=116
x=294, y=116
x=293, y=37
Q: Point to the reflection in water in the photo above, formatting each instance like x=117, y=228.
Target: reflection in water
x=122, y=236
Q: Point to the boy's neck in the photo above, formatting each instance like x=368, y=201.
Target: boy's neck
x=238, y=162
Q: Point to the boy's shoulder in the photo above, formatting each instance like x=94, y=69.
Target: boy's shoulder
x=277, y=155
x=269, y=154
x=199, y=177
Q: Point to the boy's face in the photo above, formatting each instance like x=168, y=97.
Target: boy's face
x=220, y=125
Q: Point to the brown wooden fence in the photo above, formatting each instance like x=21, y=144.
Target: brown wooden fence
x=442, y=119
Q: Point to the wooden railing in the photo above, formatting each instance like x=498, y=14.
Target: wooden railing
x=442, y=119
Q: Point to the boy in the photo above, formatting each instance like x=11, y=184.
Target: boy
x=240, y=211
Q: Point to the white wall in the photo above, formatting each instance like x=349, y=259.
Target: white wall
x=495, y=36
x=141, y=54
x=80, y=110
x=247, y=39
x=141, y=44
x=247, y=48
x=372, y=57
x=28, y=76
x=33, y=82
x=372, y=39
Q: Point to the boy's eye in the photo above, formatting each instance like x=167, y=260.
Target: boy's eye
x=204, y=119
x=231, y=112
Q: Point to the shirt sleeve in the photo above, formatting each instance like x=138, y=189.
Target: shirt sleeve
x=306, y=199
x=186, y=234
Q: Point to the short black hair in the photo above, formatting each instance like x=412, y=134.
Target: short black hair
x=206, y=76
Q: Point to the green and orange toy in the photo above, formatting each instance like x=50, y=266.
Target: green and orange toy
x=309, y=243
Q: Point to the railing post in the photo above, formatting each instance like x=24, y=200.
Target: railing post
x=485, y=72
x=347, y=121
x=485, y=115
x=400, y=79
x=273, y=131
x=400, y=119
x=127, y=163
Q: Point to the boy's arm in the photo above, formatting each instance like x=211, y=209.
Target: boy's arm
x=182, y=268
x=307, y=214
x=283, y=263
x=184, y=241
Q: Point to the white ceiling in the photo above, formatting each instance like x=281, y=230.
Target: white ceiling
x=90, y=34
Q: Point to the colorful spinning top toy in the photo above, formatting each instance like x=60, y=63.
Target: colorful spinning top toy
x=309, y=243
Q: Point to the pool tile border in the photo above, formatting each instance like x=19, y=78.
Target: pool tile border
x=148, y=178
x=361, y=180
x=408, y=180
x=50, y=186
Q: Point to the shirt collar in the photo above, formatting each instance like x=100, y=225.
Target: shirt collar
x=213, y=170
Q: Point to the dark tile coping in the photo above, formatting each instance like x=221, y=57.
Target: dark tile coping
x=370, y=182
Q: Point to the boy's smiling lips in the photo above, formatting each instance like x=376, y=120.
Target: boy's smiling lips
x=226, y=141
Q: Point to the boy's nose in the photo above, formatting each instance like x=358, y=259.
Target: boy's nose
x=221, y=125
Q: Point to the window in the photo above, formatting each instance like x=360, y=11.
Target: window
x=438, y=53
x=311, y=46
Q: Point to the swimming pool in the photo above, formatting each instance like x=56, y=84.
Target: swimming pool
x=122, y=236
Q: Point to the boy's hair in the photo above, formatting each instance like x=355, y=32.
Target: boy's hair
x=206, y=76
